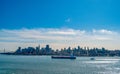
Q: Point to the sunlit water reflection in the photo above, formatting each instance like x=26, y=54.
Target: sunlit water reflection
x=46, y=65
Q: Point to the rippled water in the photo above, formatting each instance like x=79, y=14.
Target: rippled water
x=46, y=65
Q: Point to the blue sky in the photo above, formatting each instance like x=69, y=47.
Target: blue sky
x=84, y=14
x=74, y=16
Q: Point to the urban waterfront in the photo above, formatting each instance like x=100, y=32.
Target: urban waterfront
x=59, y=36
x=77, y=51
x=18, y=64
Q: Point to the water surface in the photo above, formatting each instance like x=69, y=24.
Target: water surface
x=10, y=64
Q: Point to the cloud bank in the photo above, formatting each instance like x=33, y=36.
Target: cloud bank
x=59, y=38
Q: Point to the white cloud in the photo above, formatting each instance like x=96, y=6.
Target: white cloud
x=104, y=34
x=61, y=37
x=66, y=32
x=68, y=20
x=103, y=31
x=41, y=33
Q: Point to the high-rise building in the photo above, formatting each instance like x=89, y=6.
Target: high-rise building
x=37, y=49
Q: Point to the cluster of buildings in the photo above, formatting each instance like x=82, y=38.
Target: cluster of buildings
x=34, y=51
x=78, y=51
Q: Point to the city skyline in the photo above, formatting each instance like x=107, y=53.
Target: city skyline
x=76, y=51
x=64, y=23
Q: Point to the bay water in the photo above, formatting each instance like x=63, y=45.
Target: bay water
x=12, y=64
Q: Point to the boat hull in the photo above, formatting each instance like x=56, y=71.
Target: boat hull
x=63, y=57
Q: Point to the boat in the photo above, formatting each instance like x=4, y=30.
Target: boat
x=63, y=57
x=92, y=58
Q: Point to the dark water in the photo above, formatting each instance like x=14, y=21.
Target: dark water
x=46, y=65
